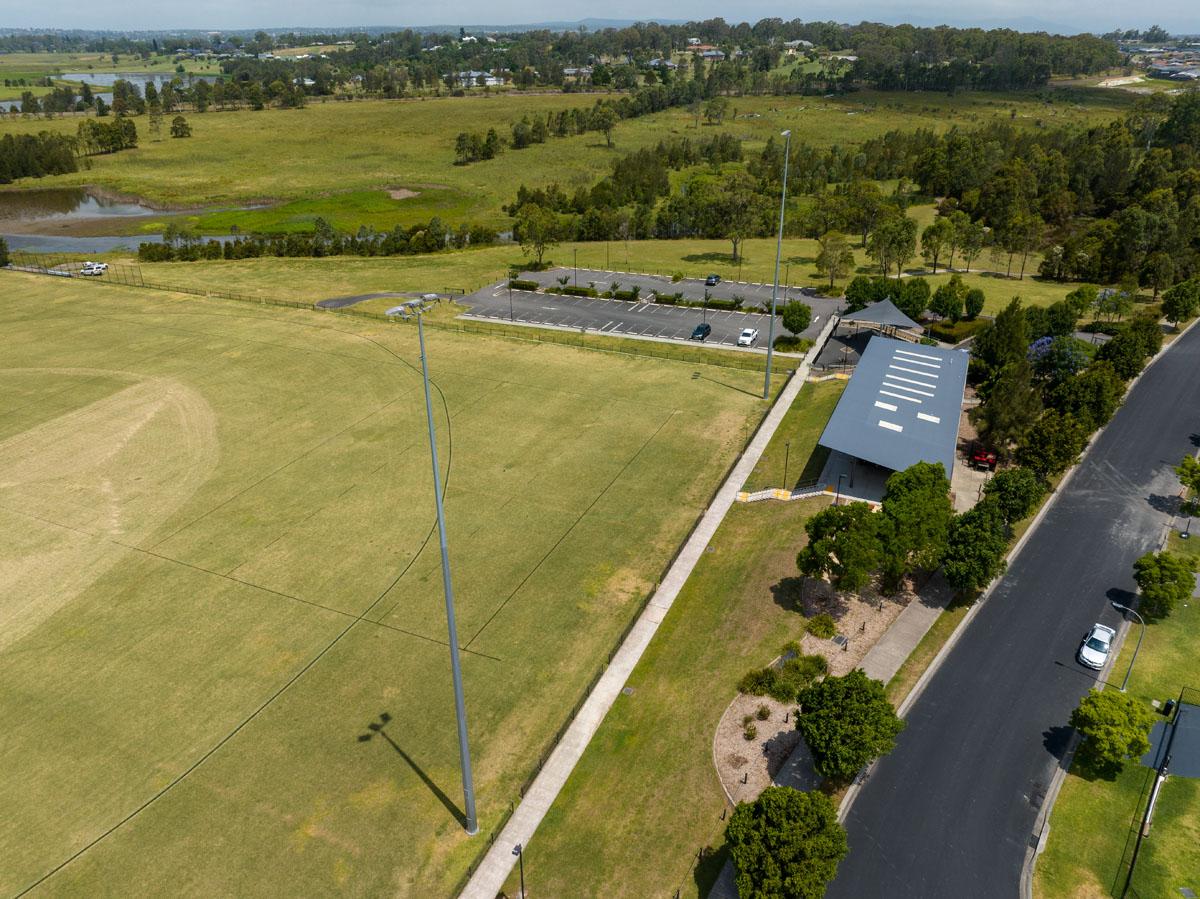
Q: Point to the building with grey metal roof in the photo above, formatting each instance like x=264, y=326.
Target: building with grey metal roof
x=902, y=406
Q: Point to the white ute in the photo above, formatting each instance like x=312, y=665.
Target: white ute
x=747, y=337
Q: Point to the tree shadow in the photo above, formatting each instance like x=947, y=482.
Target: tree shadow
x=1195, y=439
x=1056, y=740
x=721, y=258
x=800, y=260
x=378, y=728
x=1124, y=597
x=788, y=593
x=1167, y=504
x=708, y=868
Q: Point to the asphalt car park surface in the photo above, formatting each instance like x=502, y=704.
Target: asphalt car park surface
x=641, y=318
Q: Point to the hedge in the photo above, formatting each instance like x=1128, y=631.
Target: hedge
x=521, y=284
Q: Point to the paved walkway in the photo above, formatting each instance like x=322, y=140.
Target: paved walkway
x=884, y=659
x=497, y=864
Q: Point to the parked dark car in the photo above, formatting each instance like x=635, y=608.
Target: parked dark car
x=712, y=280
x=702, y=331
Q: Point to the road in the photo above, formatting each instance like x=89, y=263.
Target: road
x=641, y=318
x=951, y=811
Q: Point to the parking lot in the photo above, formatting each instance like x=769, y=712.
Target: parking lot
x=645, y=319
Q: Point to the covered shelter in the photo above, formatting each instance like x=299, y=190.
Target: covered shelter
x=885, y=318
x=901, y=406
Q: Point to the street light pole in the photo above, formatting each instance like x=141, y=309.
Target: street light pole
x=837, y=500
x=1141, y=633
x=460, y=707
x=778, y=253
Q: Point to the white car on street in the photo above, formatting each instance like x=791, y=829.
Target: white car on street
x=747, y=337
x=1093, y=651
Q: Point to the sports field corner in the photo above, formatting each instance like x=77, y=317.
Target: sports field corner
x=218, y=574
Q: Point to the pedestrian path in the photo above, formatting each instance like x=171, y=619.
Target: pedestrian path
x=884, y=659
x=497, y=864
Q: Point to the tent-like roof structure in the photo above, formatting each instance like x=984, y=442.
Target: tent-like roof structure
x=902, y=406
x=883, y=313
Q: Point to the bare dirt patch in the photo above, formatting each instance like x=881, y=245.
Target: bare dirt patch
x=402, y=193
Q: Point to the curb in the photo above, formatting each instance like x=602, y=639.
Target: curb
x=915, y=693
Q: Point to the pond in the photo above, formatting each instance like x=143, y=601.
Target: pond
x=61, y=204
x=107, y=79
x=61, y=243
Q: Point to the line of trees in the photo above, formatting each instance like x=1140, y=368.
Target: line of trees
x=179, y=245
x=36, y=155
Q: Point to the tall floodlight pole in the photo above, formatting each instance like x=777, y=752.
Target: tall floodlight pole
x=460, y=708
x=787, y=146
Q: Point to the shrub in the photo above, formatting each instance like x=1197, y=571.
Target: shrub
x=631, y=294
x=758, y=682
x=677, y=277
x=579, y=292
x=786, y=681
x=822, y=626
x=522, y=284
x=747, y=719
x=786, y=344
x=763, y=713
x=750, y=732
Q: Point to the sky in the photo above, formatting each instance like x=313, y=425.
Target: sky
x=1180, y=16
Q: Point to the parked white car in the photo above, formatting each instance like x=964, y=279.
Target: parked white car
x=1093, y=651
x=94, y=268
x=747, y=337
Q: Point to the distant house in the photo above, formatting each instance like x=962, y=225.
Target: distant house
x=715, y=55
x=662, y=64
x=578, y=72
x=468, y=39
x=693, y=42
x=797, y=45
x=472, y=79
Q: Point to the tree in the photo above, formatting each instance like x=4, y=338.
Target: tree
x=735, y=209
x=893, y=242
x=4, y=257
x=796, y=316
x=1004, y=342
x=1126, y=352
x=970, y=237
x=974, y=303
x=948, y=299
x=859, y=294
x=1092, y=396
x=975, y=548
x=843, y=542
x=785, y=845
x=536, y=229
x=1188, y=469
x=1013, y=405
x=604, y=119
x=715, y=109
x=936, y=239
x=847, y=722
x=1114, y=726
x=913, y=297
x=917, y=503
x=1164, y=579
x=1158, y=271
x=1053, y=444
x=1015, y=492
x=180, y=127
x=836, y=259
x=1182, y=301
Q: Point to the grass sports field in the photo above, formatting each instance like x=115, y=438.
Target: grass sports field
x=218, y=571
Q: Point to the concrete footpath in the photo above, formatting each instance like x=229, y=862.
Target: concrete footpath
x=884, y=659
x=498, y=863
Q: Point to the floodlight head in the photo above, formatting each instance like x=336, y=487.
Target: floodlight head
x=787, y=133
x=1117, y=605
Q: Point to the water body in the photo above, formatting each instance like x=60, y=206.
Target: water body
x=61, y=243
x=60, y=204
x=108, y=79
